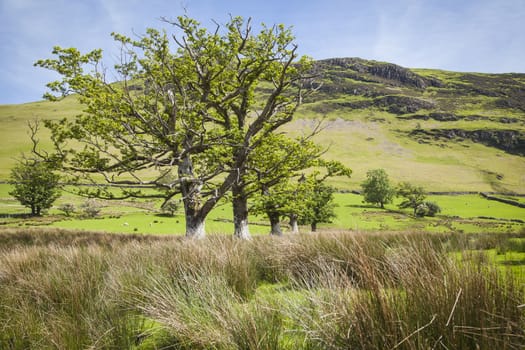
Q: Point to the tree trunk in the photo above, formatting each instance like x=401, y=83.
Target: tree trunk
x=313, y=226
x=195, y=226
x=191, y=190
x=240, y=212
x=293, y=223
x=275, y=223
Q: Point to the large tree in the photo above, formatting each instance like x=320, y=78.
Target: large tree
x=35, y=185
x=181, y=121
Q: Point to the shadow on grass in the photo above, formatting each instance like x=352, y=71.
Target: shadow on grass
x=363, y=206
x=512, y=262
x=17, y=216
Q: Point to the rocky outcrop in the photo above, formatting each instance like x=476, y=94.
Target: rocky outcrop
x=402, y=75
x=379, y=72
x=511, y=141
x=398, y=104
x=451, y=117
x=395, y=104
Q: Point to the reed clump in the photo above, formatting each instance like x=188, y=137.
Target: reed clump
x=324, y=291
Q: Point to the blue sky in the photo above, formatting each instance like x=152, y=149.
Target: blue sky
x=459, y=35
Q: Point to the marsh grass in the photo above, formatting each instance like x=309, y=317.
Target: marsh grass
x=62, y=290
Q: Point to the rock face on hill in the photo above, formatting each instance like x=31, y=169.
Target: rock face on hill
x=511, y=141
x=372, y=71
x=484, y=108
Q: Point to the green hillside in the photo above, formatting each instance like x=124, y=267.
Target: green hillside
x=447, y=131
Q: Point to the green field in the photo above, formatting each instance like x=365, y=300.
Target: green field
x=463, y=213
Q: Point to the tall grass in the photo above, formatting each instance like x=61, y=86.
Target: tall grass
x=326, y=291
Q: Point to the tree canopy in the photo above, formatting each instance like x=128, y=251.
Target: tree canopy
x=35, y=185
x=183, y=118
x=377, y=188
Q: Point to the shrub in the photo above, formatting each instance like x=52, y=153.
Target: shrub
x=67, y=208
x=427, y=209
x=91, y=208
x=432, y=208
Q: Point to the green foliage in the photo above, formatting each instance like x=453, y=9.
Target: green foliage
x=275, y=183
x=35, y=185
x=306, y=199
x=412, y=196
x=320, y=205
x=377, y=188
x=427, y=209
x=186, y=111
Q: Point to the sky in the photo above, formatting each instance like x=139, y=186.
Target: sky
x=458, y=35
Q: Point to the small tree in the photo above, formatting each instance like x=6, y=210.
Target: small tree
x=287, y=198
x=413, y=196
x=377, y=188
x=35, y=185
x=320, y=205
x=274, y=181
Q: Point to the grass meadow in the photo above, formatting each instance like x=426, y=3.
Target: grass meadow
x=460, y=213
x=70, y=290
x=463, y=213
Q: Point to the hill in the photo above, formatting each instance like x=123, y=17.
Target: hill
x=448, y=131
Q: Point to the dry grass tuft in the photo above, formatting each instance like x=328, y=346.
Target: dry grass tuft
x=325, y=291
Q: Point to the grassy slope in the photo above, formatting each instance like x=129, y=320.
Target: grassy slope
x=467, y=166
x=374, y=137
x=14, y=136
x=369, y=137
